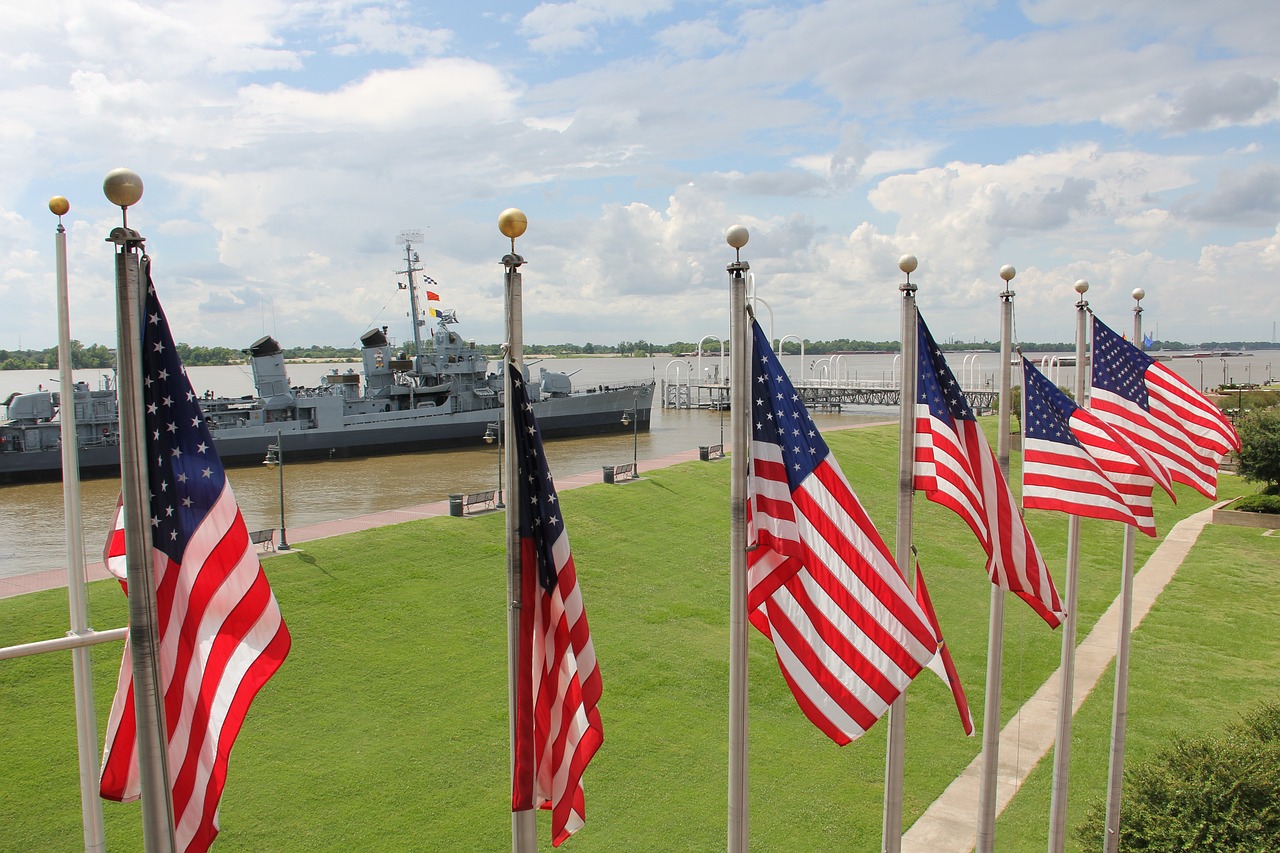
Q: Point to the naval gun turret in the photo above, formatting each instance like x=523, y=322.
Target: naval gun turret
x=269, y=377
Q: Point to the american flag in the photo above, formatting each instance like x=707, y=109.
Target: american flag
x=955, y=467
x=822, y=586
x=1073, y=462
x=1159, y=411
x=558, y=726
x=220, y=634
x=942, y=664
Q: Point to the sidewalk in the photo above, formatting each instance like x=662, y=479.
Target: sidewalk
x=950, y=824
x=57, y=578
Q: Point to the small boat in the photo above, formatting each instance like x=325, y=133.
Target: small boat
x=443, y=394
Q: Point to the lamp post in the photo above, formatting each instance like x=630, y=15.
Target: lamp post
x=631, y=416
x=1224, y=370
x=275, y=459
x=1200, y=362
x=492, y=431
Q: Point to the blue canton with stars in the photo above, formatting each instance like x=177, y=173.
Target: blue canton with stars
x=1049, y=410
x=936, y=385
x=186, y=476
x=539, y=504
x=779, y=416
x=1119, y=366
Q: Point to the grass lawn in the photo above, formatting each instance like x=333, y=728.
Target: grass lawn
x=386, y=729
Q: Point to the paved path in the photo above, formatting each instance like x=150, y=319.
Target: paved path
x=950, y=824
x=57, y=578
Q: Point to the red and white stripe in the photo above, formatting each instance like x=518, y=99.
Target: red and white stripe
x=848, y=633
x=1065, y=477
x=560, y=686
x=1183, y=431
x=220, y=638
x=955, y=467
x=942, y=664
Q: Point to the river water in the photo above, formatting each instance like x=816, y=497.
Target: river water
x=32, y=534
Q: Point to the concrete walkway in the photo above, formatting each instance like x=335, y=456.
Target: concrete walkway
x=950, y=824
x=57, y=578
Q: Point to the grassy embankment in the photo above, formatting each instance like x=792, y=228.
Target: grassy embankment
x=387, y=727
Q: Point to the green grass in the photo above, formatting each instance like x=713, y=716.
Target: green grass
x=386, y=729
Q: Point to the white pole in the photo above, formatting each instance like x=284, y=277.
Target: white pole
x=1062, y=744
x=1120, y=704
x=740, y=435
x=81, y=664
x=512, y=223
x=895, y=751
x=124, y=188
x=990, y=773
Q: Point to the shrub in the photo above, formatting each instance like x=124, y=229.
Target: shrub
x=1260, y=447
x=1258, y=503
x=1213, y=794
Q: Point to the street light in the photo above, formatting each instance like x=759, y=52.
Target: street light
x=275, y=459
x=631, y=416
x=1200, y=362
x=492, y=431
x=1224, y=370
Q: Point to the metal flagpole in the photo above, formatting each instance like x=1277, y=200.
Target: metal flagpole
x=124, y=188
x=512, y=223
x=895, y=751
x=740, y=436
x=1062, y=743
x=990, y=773
x=81, y=669
x=1120, y=705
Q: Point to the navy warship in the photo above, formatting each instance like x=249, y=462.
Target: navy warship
x=442, y=394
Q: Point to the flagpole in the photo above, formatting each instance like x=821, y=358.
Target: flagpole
x=81, y=669
x=895, y=751
x=124, y=188
x=1062, y=743
x=990, y=772
x=740, y=436
x=512, y=223
x=1120, y=703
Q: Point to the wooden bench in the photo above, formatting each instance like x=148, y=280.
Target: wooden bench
x=708, y=452
x=265, y=538
x=627, y=471
x=461, y=504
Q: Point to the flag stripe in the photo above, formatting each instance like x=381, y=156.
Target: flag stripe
x=558, y=726
x=220, y=636
x=958, y=470
x=822, y=586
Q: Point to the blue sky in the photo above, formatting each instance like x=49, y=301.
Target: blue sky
x=284, y=146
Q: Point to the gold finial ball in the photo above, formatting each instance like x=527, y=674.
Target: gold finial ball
x=1082, y=287
x=122, y=187
x=512, y=222
x=737, y=236
x=59, y=206
x=908, y=264
x=1007, y=272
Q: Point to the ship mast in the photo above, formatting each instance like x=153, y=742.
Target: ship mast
x=408, y=238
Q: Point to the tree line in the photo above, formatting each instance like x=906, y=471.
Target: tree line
x=99, y=356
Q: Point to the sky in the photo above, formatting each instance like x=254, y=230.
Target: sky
x=284, y=147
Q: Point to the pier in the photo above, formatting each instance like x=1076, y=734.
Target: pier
x=681, y=389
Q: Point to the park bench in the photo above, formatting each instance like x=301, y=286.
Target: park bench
x=461, y=504
x=265, y=538
x=707, y=452
x=626, y=471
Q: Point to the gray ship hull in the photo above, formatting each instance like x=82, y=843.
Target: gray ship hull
x=381, y=434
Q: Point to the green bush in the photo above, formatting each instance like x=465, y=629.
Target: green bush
x=1212, y=794
x=1257, y=503
x=1260, y=447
